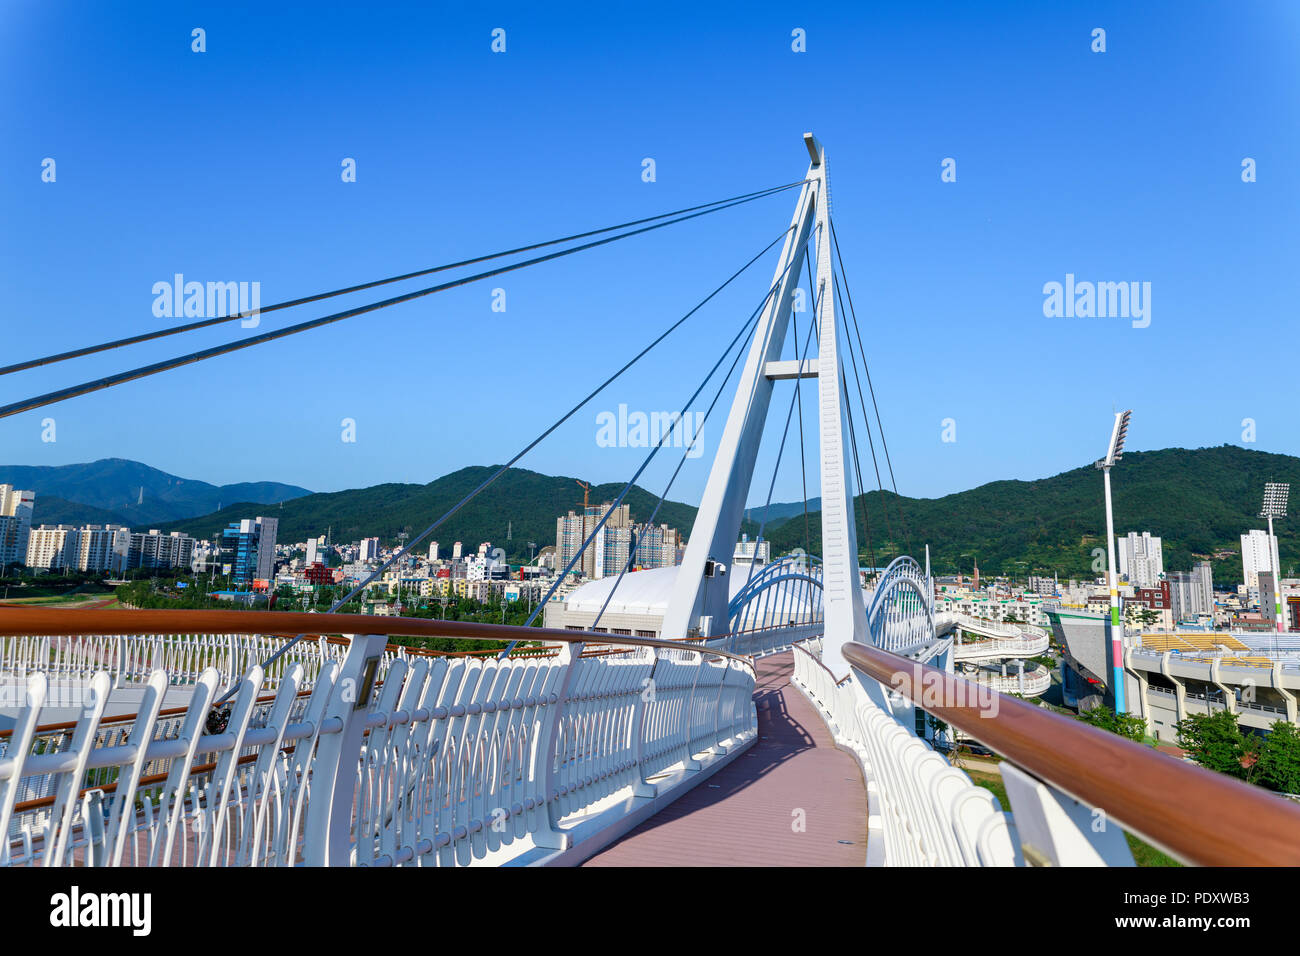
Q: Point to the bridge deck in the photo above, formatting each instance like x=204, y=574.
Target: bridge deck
x=745, y=814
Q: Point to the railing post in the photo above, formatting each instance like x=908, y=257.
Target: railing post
x=688, y=719
x=718, y=747
x=328, y=831
x=553, y=837
x=1055, y=830
x=643, y=787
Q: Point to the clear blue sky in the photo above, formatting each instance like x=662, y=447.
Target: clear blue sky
x=225, y=165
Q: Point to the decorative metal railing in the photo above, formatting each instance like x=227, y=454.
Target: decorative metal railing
x=388, y=759
x=1074, y=789
x=920, y=810
x=1035, y=680
x=131, y=659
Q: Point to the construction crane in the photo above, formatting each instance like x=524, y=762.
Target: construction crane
x=586, y=491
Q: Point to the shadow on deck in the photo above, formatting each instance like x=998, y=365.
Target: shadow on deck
x=792, y=799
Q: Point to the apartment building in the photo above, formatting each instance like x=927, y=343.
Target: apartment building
x=16, y=509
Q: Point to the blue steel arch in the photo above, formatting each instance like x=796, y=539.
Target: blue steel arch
x=901, y=612
x=801, y=575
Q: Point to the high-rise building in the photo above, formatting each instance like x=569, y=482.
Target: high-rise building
x=456, y=551
x=103, y=548
x=751, y=552
x=1141, y=559
x=156, y=550
x=1268, y=598
x=1041, y=585
x=433, y=551
x=573, y=529
x=1191, y=592
x=369, y=549
x=110, y=548
x=1256, y=556
x=53, y=547
x=656, y=546
x=15, y=524
x=248, y=550
x=313, y=551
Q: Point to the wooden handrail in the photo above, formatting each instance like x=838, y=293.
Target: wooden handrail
x=1198, y=815
x=64, y=621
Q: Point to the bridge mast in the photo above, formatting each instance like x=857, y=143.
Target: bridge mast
x=846, y=617
x=700, y=598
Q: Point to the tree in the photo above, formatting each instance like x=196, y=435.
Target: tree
x=1215, y=742
x=1126, y=725
x=1278, y=766
x=1139, y=615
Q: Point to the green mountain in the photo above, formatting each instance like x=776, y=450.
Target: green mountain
x=777, y=512
x=52, y=510
x=1199, y=501
x=521, y=502
x=119, y=491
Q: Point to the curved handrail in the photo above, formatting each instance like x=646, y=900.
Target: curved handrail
x=1131, y=782
x=62, y=621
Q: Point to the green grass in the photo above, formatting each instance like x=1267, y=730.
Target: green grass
x=54, y=600
x=1143, y=853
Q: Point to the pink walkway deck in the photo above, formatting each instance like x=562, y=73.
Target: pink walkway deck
x=744, y=815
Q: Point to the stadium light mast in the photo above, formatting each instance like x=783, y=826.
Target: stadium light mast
x=1114, y=452
x=1276, y=494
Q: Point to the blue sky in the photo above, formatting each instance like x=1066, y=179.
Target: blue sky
x=225, y=165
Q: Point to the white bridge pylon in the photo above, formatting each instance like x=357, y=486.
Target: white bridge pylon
x=700, y=595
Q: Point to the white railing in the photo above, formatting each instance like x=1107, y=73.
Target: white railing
x=131, y=659
x=920, y=810
x=998, y=647
x=763, y=641
x=427, y=761
x=1002, y=630
x=1035, y=681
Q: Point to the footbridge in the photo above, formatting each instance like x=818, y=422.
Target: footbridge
x=999, y=655
x=789, y=718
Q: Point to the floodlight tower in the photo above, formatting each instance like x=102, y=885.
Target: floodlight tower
x=1114, y=452
x=1275, y=499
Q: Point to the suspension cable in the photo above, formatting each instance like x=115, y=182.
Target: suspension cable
x=645, y=464
x=636, y=544
x=474, y=493
x=290, y=303
x=879, y=424
x=866, y=421
x=775, y=469
x=590, y=538
x=85, y=388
